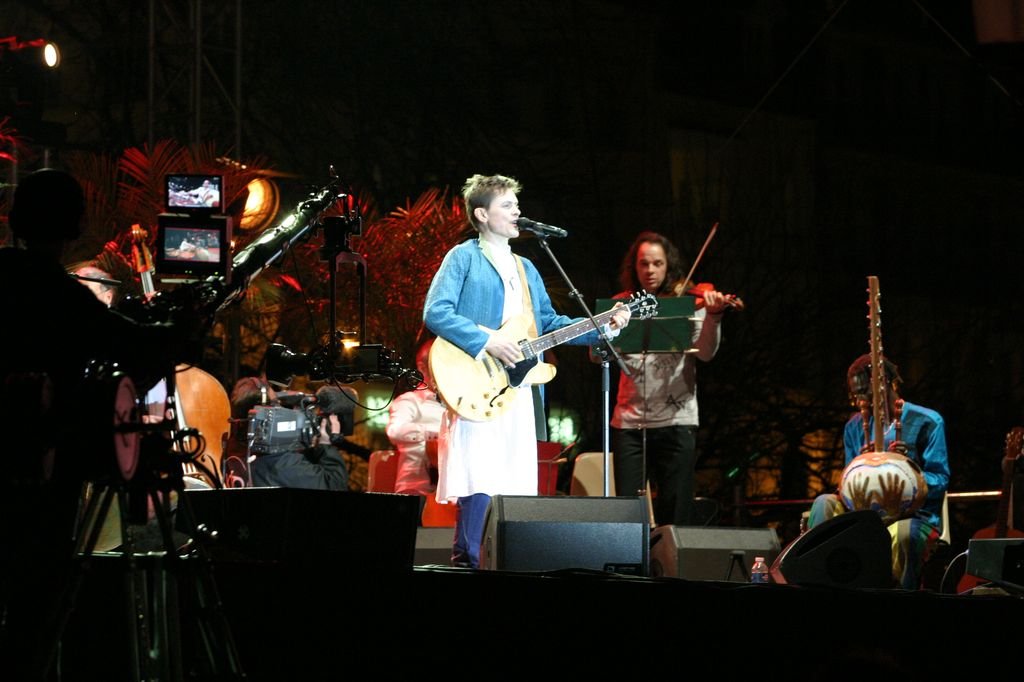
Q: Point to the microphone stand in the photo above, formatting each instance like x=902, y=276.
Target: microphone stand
x=604, y=349
x=336, y=250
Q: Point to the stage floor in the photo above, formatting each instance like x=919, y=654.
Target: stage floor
x=324, y=622
x=319, y=587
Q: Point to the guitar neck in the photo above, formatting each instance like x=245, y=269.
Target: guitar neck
x=1014, y=447
x=1003, y=516
x=568, y=333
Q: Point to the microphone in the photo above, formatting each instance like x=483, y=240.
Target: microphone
x=540, y=229
x=292, y=399
x=335, y=400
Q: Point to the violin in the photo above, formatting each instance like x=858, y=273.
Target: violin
x=685, y=287
x=698, y=291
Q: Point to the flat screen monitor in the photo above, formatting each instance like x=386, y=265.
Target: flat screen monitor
x=193, y=247
x=194, y=193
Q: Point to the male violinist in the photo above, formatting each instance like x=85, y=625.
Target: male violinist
x=657, y=404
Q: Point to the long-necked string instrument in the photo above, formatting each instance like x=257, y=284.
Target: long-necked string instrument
x=881, y=479
x=686, y=286
x=200, y=401
x=879, y=387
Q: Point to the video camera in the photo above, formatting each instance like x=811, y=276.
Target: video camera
x=293, y=424
x=366, y=362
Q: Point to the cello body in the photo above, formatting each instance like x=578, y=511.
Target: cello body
x=203, y=404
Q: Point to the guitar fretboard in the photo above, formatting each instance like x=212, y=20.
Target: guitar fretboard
x=559, y=336
x=641, y=306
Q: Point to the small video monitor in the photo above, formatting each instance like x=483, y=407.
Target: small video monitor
x=194, y=193
x=193, y=247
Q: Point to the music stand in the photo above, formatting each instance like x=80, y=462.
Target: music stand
x=671, y=331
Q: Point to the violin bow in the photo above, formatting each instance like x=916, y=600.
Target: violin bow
x=696, y=261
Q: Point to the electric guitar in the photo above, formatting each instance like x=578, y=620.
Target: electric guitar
x=480, y=390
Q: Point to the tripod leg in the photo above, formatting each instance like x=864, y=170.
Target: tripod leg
x=94, y=504
x=215, y=630
x=215, y=639
x=163, y=591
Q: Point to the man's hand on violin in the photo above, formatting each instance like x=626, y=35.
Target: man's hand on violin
x=715, y=302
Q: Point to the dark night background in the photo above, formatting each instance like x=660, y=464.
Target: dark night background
x=830, y=140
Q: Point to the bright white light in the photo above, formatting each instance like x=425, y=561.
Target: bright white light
x=51, y=55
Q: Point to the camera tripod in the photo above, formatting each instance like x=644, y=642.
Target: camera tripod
x=155, y=582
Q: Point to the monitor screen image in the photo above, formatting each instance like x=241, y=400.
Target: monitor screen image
x=194, y=192
x=192, y=244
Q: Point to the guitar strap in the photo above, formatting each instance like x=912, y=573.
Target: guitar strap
x=539, y=418
x=527, y=300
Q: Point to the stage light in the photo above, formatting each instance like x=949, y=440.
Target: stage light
x=51, y=55
x=261, y=205
x=45, y=51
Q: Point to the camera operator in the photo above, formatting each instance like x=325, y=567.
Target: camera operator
x=318, y=465
x=55, y=410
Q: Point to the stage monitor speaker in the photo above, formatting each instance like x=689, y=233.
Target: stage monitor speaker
x=335, y=530
x=1000, y=560
x=710, y=553
x=850, y=550
x=434, y=546
x=528, y=533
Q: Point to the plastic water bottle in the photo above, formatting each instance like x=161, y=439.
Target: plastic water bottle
x=759, y=571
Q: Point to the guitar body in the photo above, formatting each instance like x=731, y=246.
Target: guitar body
x=480, y=390
x=1002, y=527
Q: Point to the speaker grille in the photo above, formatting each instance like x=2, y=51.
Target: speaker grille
x=849, y=550
x=526, y=533
x=699, y=553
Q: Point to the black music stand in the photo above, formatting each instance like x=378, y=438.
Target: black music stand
x=671, y=331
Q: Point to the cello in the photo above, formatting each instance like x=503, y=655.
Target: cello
x=200, y=401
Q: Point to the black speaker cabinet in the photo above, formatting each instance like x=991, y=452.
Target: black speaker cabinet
x=434, y=546
x=700, y=553
x=527, y=533
x=849, y=550
x=996, y=559
x=342, y=530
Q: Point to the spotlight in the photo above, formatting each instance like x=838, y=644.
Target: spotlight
x=51, y=55
x=261, y=205
x=45, y=51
